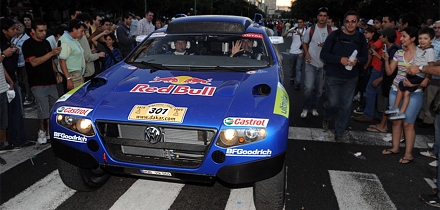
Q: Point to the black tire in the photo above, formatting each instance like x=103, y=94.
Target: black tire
x=81, y=179
x=270, y=193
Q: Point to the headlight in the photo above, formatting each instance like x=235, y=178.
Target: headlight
x=84, y=125
x=229, y=137
x=80, y=125
x=232, y=137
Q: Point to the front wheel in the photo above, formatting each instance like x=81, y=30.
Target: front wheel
x=81, y=179
x=270, y=193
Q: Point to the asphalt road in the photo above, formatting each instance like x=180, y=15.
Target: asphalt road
x=322, y=174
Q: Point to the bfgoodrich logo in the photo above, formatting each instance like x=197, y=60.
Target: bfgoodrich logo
x=65, y=137
x=249, y=153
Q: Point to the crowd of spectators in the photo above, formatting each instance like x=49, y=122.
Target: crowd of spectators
x=44, y=66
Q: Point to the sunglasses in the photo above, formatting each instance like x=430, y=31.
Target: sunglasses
x=350, y=21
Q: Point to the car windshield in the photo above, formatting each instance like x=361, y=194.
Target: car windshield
x=202, y=52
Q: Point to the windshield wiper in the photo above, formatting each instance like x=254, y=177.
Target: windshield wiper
x=238, y=68
x=153, y=66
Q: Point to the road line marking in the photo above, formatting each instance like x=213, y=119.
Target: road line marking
x=146, y=193
x=353, y=137
x=241, y=199
x=48, y=193
x=17, y=157
x=355, y=190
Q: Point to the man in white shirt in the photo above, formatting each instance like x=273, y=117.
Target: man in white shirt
x=145, y=26
x=296, y=53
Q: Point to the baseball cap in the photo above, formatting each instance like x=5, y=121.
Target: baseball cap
x=370, y=22
x=388, y=32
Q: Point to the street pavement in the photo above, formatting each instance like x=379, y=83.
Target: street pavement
x=321, y=174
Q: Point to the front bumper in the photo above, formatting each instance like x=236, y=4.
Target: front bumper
x=233, y=174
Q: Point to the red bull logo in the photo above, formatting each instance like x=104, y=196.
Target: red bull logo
x=180, y=80
x=174, y=89
x=165, y=79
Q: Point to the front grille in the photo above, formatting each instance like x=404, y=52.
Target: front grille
x=177, y=146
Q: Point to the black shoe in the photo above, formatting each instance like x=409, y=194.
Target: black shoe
x=339, y=137
x=424, y=125
x=432, y=200
x=2, y=161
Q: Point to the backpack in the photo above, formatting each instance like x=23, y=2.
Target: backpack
x=312, y=30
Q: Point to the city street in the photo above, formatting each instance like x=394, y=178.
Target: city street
x=321, y=174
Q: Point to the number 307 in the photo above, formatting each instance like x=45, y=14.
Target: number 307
x=158, y=111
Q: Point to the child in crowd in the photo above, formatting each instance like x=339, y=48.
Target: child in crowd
x=425, y=55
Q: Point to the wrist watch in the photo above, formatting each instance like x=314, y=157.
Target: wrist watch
x=421, y=68
x=3, y=55
x=68, y=78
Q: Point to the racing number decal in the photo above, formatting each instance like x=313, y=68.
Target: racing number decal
x=158, y=112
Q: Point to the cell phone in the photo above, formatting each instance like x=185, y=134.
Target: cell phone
x=384, y=48
x=59, y=43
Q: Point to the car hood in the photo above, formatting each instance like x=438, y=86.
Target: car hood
x=176, y=97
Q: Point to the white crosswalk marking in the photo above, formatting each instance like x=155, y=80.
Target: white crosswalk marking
x=241, y=199
x=355, y=190
x=48, y=193
x=144, y=194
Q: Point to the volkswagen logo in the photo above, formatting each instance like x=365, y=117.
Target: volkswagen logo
x=153, y=135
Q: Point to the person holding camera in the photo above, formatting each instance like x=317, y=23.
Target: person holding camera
x=296, y=53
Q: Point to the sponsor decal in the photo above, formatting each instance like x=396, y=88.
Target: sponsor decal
x=72, y=138
x=282, y=104
x=251, y=35
x=71, y=92
x=251, y=122
x=161, y=34
x=73, y=110
x=174, y=89
x=180, y=80
x=249, y=153
x=162, y=112
x=256, y=72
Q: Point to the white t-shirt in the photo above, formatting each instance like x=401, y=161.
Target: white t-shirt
x=319, y=35
x=296, y=42
x=3, y=85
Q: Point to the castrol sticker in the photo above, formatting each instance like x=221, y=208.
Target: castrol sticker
x=250, y=122
x=73, y=110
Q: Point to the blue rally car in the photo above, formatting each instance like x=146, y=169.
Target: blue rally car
x=199, y=101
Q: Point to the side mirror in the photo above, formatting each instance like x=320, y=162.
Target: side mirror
x=276, y=39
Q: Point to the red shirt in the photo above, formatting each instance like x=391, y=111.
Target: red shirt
x=375, y=61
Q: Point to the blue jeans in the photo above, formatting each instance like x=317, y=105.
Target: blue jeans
x=414, y=106
x=296, y=66
x=371, y=94
x=339, y=93
x=313, y=84
x=16, y=134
